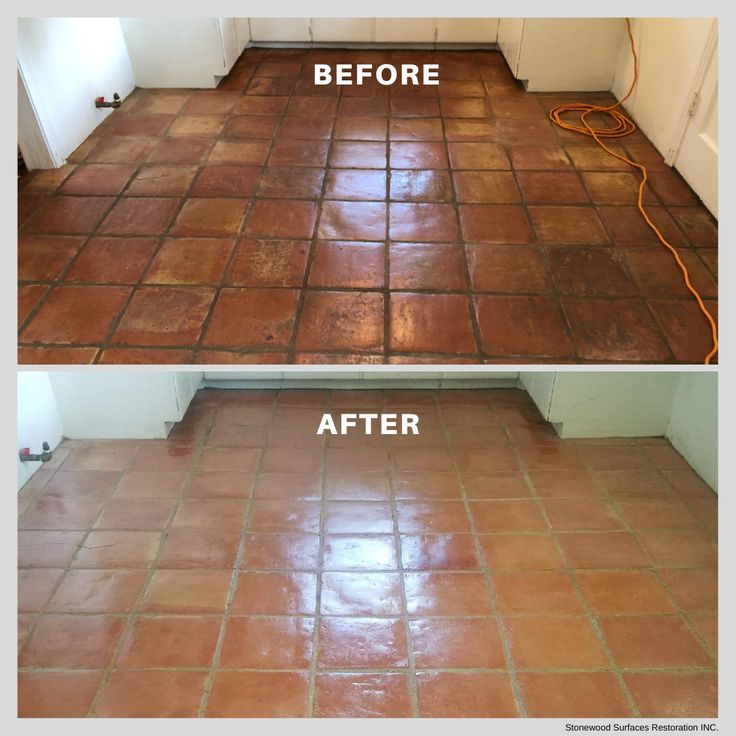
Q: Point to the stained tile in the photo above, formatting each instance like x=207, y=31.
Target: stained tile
x=160, y=315
x=211, y=218
x=281, y=219
x=492, y=187
x=140, y=216
x=225, y=180
x=341, y=264
x=69, y=215
x=250, y=318
x=268, y=263
x=435, y=266
x=341, y=320
x=92, y=179
x=76, y=314
x=589, y=272
x=494, y=223
x=112, y=260
x=420, y=186
x=43, y=258
x=189, y=261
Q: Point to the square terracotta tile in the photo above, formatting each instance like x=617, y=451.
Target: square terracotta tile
x=72, y=642
x=316, y=127
x=98, y=591
x=491, y=187
x=554, y=642
x=147, y=694
x=438, y=552
x=435, y=266
x=416, y=129
x=416, y=517
x=269, y=263
x=285, y=182
x=211, y=102
x=423, y=222
x=696, y=591
x=360, y=128
x=624, y=592
x=494, y=223
x=190, y=261
x=140, y=216
x=187, y=591
x=364, y=552
x=345, y=264
x=465, y=695
x=362, y=643
x=180, y=150
x=195, y=548
x=336, y=320
x=284, y=516
x=211, y=513
x=259, y=695
x=489, y=156
x=352, y=220
x=589, y=272
x=56, y=694
x=446, y=594
x=167, y=641
x=506, y=268
x=47, y=549
x=539, y=157
x=356, y=695
x=536, y=592
x=76, y=314
x=420, y=186
x=360, y=184
x=499, y=318
x=651, y=642
x=281, y=219
x=209, y=217
x=507, y=516
x=672, y=549
x=356, y=487
x=520, y=552
x=105, y=549
x=224, y=483
x=416, y=317
x=226, y=180
x=197, y=125
x=556, y=187
x=289, y=152
x=112, y=260
x=122, y=150
x=281, y=551
x=139, y=123
x=35, y=588
x=674, y=694
x=96, y=179
x=456, y=643
x=162, y=315
x=358, y=155
x=358, y=517
x=568, y=225
x=573, y=695
x=268, y=643
x=69, y=215
x=684, y=326
x=411, y=154
x=248, y=152
x=581, y=514
x=150, y=484
x=251, y=318
x=614, y=330
x=275, y=593
x=361, y=594
x=144, y=515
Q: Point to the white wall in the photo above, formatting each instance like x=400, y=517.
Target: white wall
x=121, y=405
x=604, y=404
x=38, y=418
x=66, y=63
x=693, y=425
x=670, y=50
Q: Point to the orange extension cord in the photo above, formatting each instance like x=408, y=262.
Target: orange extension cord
x=623, y=127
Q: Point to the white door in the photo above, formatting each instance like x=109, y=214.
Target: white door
x=280, y=30
x=697, y=158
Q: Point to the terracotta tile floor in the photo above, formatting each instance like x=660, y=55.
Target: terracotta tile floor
x=272, y=221
x=244, y=567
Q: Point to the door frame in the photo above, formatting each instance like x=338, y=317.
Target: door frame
x=685, y=117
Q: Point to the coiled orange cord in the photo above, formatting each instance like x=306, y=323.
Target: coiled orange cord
x=623, y=126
